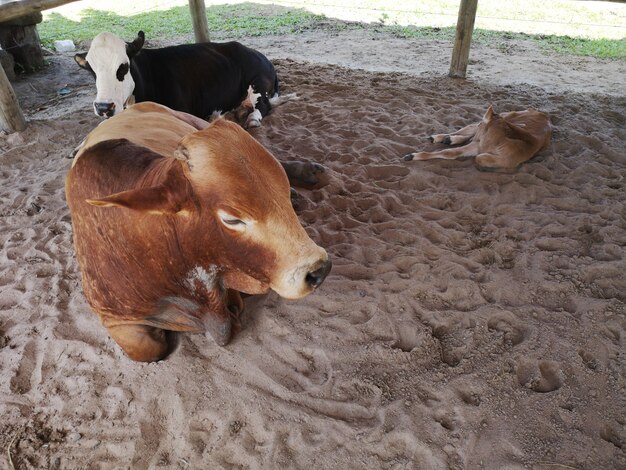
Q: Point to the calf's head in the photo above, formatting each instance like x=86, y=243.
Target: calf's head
x=234, y=214
x=108, y=59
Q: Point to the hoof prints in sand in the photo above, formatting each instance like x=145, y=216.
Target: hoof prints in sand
x=470, y=317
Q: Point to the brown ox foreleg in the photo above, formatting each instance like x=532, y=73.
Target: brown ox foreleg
x=146, y=339
x=459, y=137
x=140, y=342
x=469, y=150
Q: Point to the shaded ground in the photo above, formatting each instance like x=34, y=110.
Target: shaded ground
x=472, y=320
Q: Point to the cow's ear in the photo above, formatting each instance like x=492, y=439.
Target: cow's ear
x=133, y=47
x=82, y=61
x=515, y=132
x=488, y=115
x=155, y=200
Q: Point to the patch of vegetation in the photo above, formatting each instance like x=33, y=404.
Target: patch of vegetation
x=601, y=48
x=427, y=32
x=231, y=20
x=247, y=19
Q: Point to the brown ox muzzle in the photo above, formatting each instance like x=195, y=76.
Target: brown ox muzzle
x=299, y=280
x=315, y=278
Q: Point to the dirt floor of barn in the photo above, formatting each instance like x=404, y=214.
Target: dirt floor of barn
x=471, y=320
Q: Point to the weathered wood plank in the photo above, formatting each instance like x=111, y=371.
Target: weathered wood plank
x=198, y=17
x=463, y=39
x=11, y=117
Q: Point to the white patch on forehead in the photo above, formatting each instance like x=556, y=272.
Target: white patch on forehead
x=205, y=277
x=106, y=54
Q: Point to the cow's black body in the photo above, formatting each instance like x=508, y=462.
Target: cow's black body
x=202, y=78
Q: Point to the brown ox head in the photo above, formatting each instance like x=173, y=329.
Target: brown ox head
x=234, y=214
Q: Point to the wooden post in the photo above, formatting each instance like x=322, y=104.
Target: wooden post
x=200, y=24
x=463, y=39
x=11, y=117
x=20, y=36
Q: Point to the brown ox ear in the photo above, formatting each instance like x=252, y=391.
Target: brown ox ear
x=155, y=200
x=133, y=47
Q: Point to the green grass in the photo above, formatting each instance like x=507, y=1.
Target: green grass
x=240, y=20
x=226, y=20
x=601, y=48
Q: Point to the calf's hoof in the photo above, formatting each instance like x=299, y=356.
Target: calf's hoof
x=408, y=157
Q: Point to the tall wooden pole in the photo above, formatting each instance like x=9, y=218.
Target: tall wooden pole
x=200, y=24
x=463, y=39
x=11, y=117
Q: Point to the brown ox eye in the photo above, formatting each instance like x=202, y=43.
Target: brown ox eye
x=234, y=222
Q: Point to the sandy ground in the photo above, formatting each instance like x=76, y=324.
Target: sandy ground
x=471, y=320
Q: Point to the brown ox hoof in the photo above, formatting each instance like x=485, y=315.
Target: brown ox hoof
x=141, y=343
x=304, y=174
x=219, y=328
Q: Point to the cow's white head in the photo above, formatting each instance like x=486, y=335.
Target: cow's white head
x=108, y=60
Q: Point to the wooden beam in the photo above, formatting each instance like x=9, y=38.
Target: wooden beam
x=463, y=39
x=15, y=9
x=200, y=24
x=11, y=117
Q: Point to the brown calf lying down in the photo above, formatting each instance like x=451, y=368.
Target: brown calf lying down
x=171, y=223
x=499, y=141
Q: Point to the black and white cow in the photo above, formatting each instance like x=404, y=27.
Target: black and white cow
x=199, y=79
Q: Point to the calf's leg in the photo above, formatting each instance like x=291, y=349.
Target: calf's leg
x=468, y=150
x=490, y=161
x=461, y=136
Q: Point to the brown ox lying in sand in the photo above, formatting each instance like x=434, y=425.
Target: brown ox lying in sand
x=499, y=141
x=171, y=223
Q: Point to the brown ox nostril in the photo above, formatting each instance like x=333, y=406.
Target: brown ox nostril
x=315, y=278
x=104, y=108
